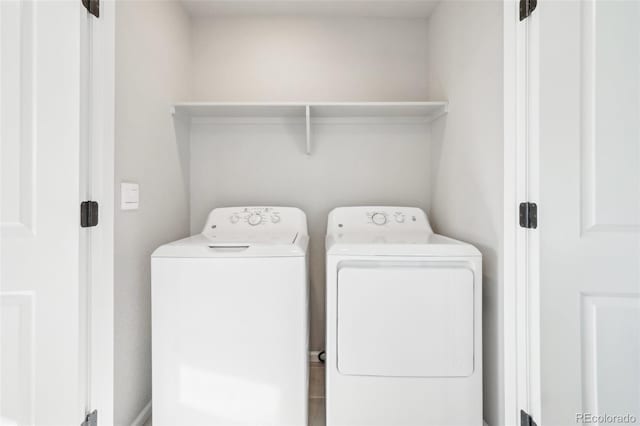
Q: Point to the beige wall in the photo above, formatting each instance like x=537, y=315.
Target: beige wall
x=309, y=59
x=465, y=67
x=152, y=71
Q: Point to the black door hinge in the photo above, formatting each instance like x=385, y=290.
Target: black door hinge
x=526, y=8
x=529, y=215
x=526, y=419
x=91, y=419
x=93, y=6
x=88, y=214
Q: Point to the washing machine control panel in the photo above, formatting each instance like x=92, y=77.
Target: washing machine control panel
x=366, y=219
x=258, y=219
x=255, y=216
x=390, y=217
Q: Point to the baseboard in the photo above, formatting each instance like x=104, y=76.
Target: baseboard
x=144, y=415
x=313, y=356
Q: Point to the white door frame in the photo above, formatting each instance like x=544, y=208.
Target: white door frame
x=521, y=246
x=94, y=54
x=99, y=298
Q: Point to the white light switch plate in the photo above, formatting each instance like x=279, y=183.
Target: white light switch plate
x=129, y=196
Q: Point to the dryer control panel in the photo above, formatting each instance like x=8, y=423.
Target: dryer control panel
x=371, y=218
x=256, y=219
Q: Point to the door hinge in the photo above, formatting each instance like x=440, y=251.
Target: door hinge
x=93, y=6
x=526, y=419
x=88, y=214
x=529, y=215
x=91, y=419
x=526, y=8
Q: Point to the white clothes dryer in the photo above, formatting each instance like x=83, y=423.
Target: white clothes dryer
x=230, y=321
x=404, y=322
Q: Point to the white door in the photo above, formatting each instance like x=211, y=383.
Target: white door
x=585, y=70
x=40, y=121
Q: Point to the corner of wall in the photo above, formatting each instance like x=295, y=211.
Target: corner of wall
x=466, y=67
x=153, y=63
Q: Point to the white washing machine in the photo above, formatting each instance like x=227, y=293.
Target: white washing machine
x=230, y=321
x=404, y=322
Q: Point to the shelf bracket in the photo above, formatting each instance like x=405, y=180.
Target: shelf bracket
x=308, y=117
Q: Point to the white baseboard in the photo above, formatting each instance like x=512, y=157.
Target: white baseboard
x=144, y=415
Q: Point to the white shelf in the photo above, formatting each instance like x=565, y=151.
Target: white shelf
x=308, y=111
x=426, y=110
x=229, y=109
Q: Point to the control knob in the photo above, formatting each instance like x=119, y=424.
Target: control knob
x=379, y=218
x=254, y=219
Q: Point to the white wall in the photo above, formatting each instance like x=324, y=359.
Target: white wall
x=465, y=66
x=309, y=59
x=152, y=71
x=351, y=164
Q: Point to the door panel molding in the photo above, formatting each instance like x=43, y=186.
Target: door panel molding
x=17, y=334
x=610, y=177
x=610, y=322
x=17, y=118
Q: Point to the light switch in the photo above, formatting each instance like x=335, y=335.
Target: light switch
x=129, y=196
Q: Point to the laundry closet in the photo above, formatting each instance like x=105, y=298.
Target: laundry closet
x=308, y=104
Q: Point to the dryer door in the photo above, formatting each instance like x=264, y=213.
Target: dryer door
x=406, y=319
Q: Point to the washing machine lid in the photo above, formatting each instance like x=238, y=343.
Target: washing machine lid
x=236, y=245
x=254, y=231
x=250, y=238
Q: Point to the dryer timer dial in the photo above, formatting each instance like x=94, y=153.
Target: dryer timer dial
x=379, y=218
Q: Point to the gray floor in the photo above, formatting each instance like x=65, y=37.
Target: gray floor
x=316, y=396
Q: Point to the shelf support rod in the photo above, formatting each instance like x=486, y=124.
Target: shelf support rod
x=308, y=116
